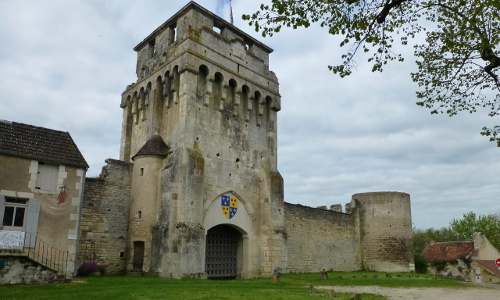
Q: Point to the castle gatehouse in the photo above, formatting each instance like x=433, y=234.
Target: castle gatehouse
x=197, y=191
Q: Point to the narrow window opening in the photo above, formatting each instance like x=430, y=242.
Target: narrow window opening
x=217, y=29
x=141, y=172
x=172, y=34
x=152, y=48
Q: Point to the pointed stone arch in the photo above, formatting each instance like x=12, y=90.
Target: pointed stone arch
x=141, y=104
x=157, y=105
x=233, y=97
x=135, y=107
x=242, y=222
x=175, y=84
x=167, y=89
x=257, y=104
x=203, y=86
x=268, y=102
x=247, y=104
x=127, y=131
x=218, y=99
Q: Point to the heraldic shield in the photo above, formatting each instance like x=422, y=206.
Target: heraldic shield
x=229, y=206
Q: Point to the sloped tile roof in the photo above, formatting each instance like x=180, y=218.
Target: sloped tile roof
x=448, y=251
x=39, y=143
x=489, y=265
x=155, y=146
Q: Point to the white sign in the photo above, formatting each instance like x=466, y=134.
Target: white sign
x=11, y=239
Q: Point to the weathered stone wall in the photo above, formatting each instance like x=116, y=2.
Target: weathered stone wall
x=105, y=212
x=386, y=234
x=21, y=270
x=319, y=239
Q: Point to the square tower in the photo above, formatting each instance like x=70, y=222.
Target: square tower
x=200, y=126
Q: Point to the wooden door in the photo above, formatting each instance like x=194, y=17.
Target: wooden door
x=138, y=255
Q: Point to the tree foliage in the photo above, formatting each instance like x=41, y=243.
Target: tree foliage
x=422, y=238
x=470, y=223
x=458, y=63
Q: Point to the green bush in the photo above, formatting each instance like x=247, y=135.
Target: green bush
x=420, y=264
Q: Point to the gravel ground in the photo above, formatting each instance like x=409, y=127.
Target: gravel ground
x=473, y=292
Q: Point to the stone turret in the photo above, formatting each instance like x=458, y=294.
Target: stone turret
x=384, y=222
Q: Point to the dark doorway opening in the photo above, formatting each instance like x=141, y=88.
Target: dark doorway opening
x=221, y=258
x=138, y=259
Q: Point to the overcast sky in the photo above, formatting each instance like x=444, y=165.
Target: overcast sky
x=64, y=65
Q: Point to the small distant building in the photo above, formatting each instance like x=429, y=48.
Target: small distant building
x=471, y=260
x=42, y=175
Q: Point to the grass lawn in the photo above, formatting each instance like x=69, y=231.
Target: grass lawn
x=290, y=287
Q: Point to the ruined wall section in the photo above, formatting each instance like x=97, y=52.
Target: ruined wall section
x=386, y=234
x=320, y=239
x=104, y=226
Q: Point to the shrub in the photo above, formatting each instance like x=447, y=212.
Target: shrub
x=88, y=268
x=420, y=264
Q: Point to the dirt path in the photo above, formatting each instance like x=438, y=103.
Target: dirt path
x=473, y=292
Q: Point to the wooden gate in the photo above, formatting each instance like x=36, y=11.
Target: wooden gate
x=221, y=252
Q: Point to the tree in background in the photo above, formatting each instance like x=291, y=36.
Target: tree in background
x=470, y=223
x=458, y=63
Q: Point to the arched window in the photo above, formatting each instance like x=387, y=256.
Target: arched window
x=217, y=91
x=202, y=92
x=233, y=97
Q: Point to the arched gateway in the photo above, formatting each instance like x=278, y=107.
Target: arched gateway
x=228, y=223
x=223, y=253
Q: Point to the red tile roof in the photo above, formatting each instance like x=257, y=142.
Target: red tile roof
x=490, y=265
x=39, y=143
x=448, y=251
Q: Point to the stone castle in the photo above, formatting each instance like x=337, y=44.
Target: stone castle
x=197, y=191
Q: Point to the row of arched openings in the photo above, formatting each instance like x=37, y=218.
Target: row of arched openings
x=212, y=91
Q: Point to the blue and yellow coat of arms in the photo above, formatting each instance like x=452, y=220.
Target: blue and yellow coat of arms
x=229, y=206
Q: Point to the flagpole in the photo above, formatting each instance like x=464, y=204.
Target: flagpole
x=231, y=10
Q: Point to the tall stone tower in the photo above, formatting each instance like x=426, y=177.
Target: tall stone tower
x=199, y=126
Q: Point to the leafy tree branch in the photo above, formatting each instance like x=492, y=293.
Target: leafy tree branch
x=458, y=64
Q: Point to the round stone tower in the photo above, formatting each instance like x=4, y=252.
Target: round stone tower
x=385, y=230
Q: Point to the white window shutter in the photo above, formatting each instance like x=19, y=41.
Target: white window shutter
x=32, y=222
x=47, y=177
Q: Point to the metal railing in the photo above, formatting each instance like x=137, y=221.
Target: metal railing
x=42, y=253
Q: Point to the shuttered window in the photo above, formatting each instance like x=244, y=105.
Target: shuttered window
x=47, y=177
x=14, y=214
x=18, y=214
